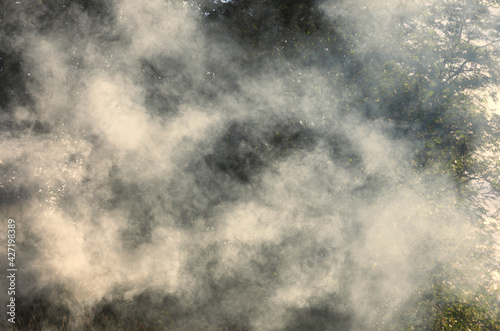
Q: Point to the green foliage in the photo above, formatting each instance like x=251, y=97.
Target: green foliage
x=449, y=304
x=430, y=87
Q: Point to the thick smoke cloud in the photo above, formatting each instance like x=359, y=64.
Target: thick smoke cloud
x=160, y=179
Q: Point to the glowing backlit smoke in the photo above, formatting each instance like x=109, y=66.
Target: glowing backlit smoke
x=157, y=182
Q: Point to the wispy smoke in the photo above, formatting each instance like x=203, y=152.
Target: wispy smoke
x=160, y=178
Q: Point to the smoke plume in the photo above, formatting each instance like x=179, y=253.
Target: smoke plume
x=161, y=176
